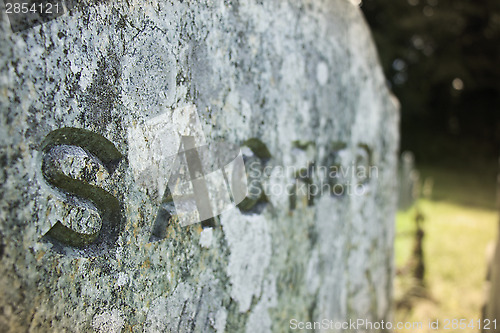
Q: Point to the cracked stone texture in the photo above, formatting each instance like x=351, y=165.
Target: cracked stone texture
x=285, y=72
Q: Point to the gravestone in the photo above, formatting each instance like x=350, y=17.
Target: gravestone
x=408, y=181
x=194, y=166
x=491, y=307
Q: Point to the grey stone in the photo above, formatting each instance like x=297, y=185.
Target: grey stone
x=93, y=105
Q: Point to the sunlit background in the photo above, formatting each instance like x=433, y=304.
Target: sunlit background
x=442, y=60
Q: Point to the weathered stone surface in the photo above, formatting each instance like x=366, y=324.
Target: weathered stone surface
x=293, y=82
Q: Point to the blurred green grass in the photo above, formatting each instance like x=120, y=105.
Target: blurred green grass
x=464, y=186
x=460, y=221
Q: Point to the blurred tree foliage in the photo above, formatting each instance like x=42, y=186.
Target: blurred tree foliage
x=442, y=60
